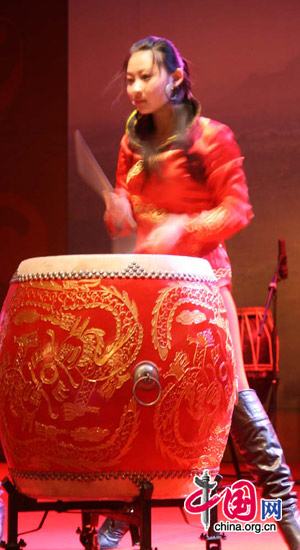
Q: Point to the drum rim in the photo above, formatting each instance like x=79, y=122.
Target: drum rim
x=145, y=266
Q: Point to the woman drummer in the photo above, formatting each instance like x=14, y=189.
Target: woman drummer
x=180, y=182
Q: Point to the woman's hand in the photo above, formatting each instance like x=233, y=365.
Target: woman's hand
x=118, y=215
x=163, y=239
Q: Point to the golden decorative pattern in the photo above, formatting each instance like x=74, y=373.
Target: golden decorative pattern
x=213, y=222
x=166, y=305
x=188, y=317
x=200, y=377
x=164, y=155
x=147, y=211
x=69, y=346
x=55, y=449
x=135, y=170
x=55, y=348
x=134, y=118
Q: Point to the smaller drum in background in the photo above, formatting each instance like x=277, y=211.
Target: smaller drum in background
x=257, y=352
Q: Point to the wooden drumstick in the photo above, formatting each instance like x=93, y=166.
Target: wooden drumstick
x=90, y=170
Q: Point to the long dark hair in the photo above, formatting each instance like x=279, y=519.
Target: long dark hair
x=141, y=127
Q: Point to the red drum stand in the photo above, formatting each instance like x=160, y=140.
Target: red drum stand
x=136, y=513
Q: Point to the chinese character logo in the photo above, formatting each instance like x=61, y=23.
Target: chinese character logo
x=271, y=508
x=239, y=500
x=206, y=502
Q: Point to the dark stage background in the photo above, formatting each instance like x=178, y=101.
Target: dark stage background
x=33, y=132
x=245, y=62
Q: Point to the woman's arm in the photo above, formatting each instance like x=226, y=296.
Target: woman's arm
x=118, y=215
x=226, y=181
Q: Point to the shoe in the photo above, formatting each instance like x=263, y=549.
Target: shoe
x=110, y=533
x=255, y=437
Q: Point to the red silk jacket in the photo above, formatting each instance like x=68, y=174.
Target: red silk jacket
x=204, y=185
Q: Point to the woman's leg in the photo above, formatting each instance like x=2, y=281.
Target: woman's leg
x=235, y=336
x=254, y=434
x=110, y=533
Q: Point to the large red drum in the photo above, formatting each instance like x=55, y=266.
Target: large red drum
x=114, y=369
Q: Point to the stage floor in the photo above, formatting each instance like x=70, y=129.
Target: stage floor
x=169, y=528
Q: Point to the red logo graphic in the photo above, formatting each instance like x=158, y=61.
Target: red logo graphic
x=239, y=500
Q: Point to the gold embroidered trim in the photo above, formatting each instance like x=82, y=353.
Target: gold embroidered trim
x=162, y=156
x=135, y=114
x=135, y=170
x=147, y=212
x=138, y=167
x=213, y=221
x=131, y=116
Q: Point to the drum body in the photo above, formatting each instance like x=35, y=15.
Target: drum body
x=74, y=329
x=257, y=352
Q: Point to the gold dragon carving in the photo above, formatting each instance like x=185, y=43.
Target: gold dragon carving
x=68, y=352
x=198, y=382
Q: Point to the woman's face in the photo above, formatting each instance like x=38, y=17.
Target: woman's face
x=146, y=82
